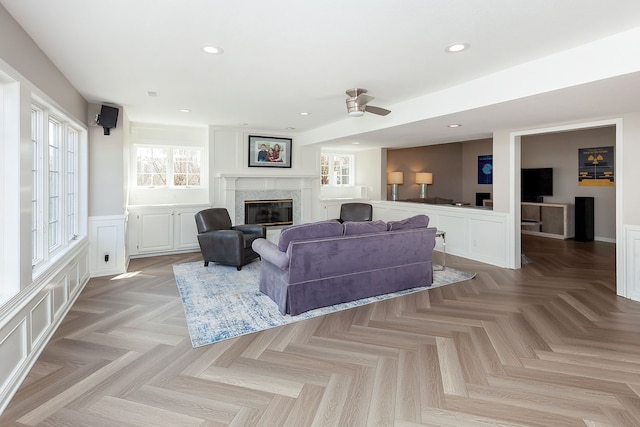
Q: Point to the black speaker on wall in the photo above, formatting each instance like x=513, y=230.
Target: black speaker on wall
x=108, y=118
x=584, y=219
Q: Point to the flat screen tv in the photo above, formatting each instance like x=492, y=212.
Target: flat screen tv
x=536, y=182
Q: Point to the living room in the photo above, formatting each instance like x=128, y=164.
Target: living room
x=546, y=94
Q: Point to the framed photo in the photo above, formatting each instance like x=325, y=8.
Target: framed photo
x=269, y=152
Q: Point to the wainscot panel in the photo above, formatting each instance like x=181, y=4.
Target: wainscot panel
x=474, y=233
x=29, y=320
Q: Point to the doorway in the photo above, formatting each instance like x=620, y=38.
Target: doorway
x=515, y=191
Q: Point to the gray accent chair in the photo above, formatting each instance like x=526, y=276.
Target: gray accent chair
x=223, y=243
x=356, y=212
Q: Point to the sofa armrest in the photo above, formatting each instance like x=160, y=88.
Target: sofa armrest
x=268, y=251
x=252, y=229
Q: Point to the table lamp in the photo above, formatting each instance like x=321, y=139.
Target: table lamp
x=424, y=178
x=394, y=178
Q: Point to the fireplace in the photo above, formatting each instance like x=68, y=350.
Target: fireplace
x=268, y=212
x=236, y=189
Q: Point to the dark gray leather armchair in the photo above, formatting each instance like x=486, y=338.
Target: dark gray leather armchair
x=356, y=212
x=223, y=243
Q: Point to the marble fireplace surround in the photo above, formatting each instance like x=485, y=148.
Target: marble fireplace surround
x=238, y=188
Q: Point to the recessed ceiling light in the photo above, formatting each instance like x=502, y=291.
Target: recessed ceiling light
x=213, y=50
x=355, y=143
x=304, y=113
x=457, y=47
x=454, y=125
x=290, y=128
x=243, y=124
x=185, y=110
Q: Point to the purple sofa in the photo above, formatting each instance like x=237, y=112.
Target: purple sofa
x=324, y=263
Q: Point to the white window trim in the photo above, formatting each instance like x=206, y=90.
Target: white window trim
x=170, y=161
x=38, y=143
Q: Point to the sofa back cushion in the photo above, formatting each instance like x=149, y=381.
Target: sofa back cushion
x=351, y=228
x=417, y=221
x=314, y=230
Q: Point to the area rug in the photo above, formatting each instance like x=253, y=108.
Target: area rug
x=221, y=302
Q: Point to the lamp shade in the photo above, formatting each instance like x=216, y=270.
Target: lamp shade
x=424, y=178
x=395, y=178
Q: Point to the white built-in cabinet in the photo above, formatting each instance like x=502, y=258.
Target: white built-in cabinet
x=331, y=207
x=548, y=219
x=163, y=229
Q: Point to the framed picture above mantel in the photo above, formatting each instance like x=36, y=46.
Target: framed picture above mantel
x=269, y=152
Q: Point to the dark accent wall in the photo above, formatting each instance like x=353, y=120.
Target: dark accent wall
x=444, y=161
x=454, y=167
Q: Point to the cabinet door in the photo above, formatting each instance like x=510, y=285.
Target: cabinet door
x=553, y=220
x=186, y=232
x=332, y=210
x=530, y=218
x=530, y=212
x=156, y=231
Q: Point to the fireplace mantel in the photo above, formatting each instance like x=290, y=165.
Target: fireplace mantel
x=240, y=187
x=250, y=175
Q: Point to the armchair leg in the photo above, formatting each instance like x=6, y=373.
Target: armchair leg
x=206, y=263
x=239, y=267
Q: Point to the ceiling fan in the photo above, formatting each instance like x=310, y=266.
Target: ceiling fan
x=357, y=103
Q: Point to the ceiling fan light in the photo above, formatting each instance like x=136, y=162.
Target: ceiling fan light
x=355, y=109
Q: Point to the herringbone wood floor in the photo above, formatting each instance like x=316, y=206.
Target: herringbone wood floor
x=548, y=345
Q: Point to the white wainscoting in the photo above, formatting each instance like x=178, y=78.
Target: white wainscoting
x=107, y=237
x=28, y=320
x=473, y=233
x=632, y=263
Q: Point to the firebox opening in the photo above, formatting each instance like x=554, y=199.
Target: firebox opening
x=268, y=212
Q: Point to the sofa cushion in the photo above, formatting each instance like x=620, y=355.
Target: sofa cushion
x=352, y=228
x=314, y=230
x=417, y=221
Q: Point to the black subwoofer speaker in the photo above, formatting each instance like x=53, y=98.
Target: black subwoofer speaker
x=584, y=219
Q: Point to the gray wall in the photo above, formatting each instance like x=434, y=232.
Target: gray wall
x=454, y=167
x=107, y=171
x=444, y=161
x=21, y=53
x=560, y=152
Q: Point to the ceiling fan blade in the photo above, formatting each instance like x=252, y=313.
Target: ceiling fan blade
x=364, y=99
x=377, y=110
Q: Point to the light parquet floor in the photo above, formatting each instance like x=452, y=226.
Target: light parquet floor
x=548, y=345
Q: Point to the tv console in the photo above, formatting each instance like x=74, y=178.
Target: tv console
x=553, y=220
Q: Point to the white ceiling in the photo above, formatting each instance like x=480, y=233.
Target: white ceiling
x=283, y=57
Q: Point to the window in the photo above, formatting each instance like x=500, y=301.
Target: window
x=37, y=246
x=54, y=184
x=186, y=167
x=54, y=201
x=336, y=169
x=162, y=166
x=72, y=183
x=151, y=166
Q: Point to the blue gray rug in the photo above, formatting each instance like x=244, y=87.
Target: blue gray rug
x=221, y=302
